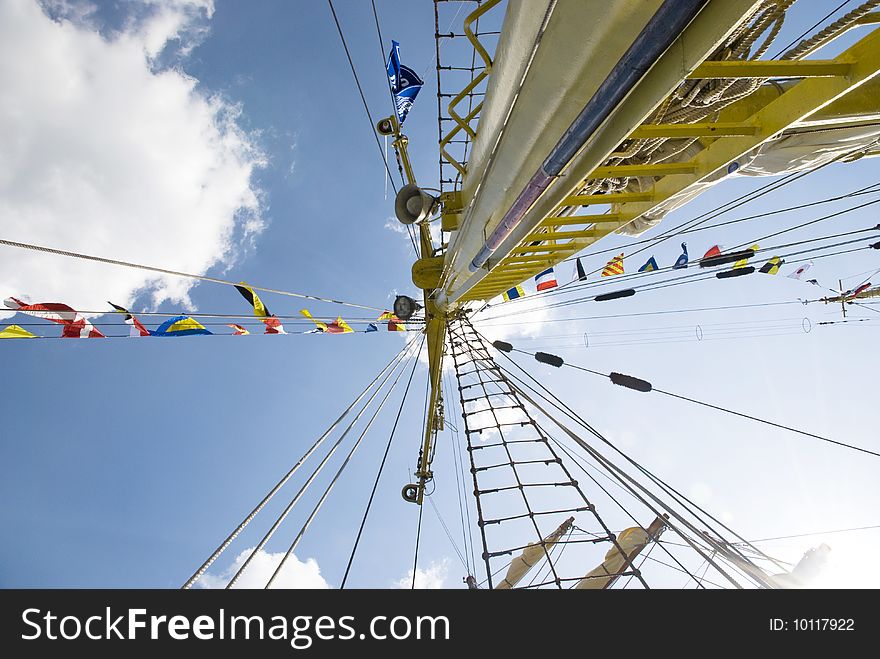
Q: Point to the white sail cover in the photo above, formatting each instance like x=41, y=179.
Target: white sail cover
x=533, y=553
x=807, y=569
x=631, y=540
x=786, y=154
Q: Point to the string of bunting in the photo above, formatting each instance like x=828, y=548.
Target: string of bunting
x=76, y=325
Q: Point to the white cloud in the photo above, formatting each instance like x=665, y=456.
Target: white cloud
x=164, y=21
x=396, y=226
x=295, y=574
x=432, y=577
x=70, y=10
x=104, y=152
x=525, y=318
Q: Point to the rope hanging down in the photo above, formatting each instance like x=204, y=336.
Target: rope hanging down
x=381, y=468
x=317, y=470
x=336, y=476
x=232, y=536
x=149, y=268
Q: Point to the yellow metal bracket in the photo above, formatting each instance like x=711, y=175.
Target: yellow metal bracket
x=463, y=123
x=821, y=84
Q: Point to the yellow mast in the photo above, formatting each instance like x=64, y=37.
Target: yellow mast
x=435, y=320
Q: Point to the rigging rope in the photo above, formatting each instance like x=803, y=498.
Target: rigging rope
x=99, y=259
x=804, y=535
x=711, y=214
x=635, y=315
x=232, y=536
x=336, y=476
x=569, y=412
x=448, y=534
x=769, y=423
x=622, y=486
x=397, y=361
x=361, y=92
x=381, y=467
x=416, y=557
x=716, y=407
x=562, y=406
x=624, y=476
x=809, y=29
x=807, y=254
x=700, y=226
x=835, y=29
x=468, y=349
x=458, y=461
x=421, y=507
x=672, y=567
x=409, y=228
x=580, y=285
x=387, y=80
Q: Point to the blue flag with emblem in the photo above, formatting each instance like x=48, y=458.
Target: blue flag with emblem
x=405, y=83
x=682, y=261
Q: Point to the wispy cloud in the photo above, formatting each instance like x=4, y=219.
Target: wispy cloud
x=431, y=577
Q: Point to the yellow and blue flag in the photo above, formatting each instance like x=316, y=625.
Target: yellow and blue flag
x=514, y=293
x=650, y=265
x=180, y=326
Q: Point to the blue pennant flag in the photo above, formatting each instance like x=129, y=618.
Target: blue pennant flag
x=649, y=266
x=372, y=327
x=405, y=83
x=682, y=261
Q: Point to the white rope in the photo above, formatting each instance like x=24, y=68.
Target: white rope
x=100, y=259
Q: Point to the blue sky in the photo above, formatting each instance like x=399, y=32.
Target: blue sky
x=239, y=147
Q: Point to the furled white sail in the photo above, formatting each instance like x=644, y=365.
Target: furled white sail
x=631, y=541
x=533, y=553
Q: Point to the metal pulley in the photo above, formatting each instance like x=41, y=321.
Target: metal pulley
x=410, y=492
x=405, y=307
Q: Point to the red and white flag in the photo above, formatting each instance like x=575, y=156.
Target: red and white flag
x=797, y=274
x=545, y=280
x=273, y=325
x=75, y=325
